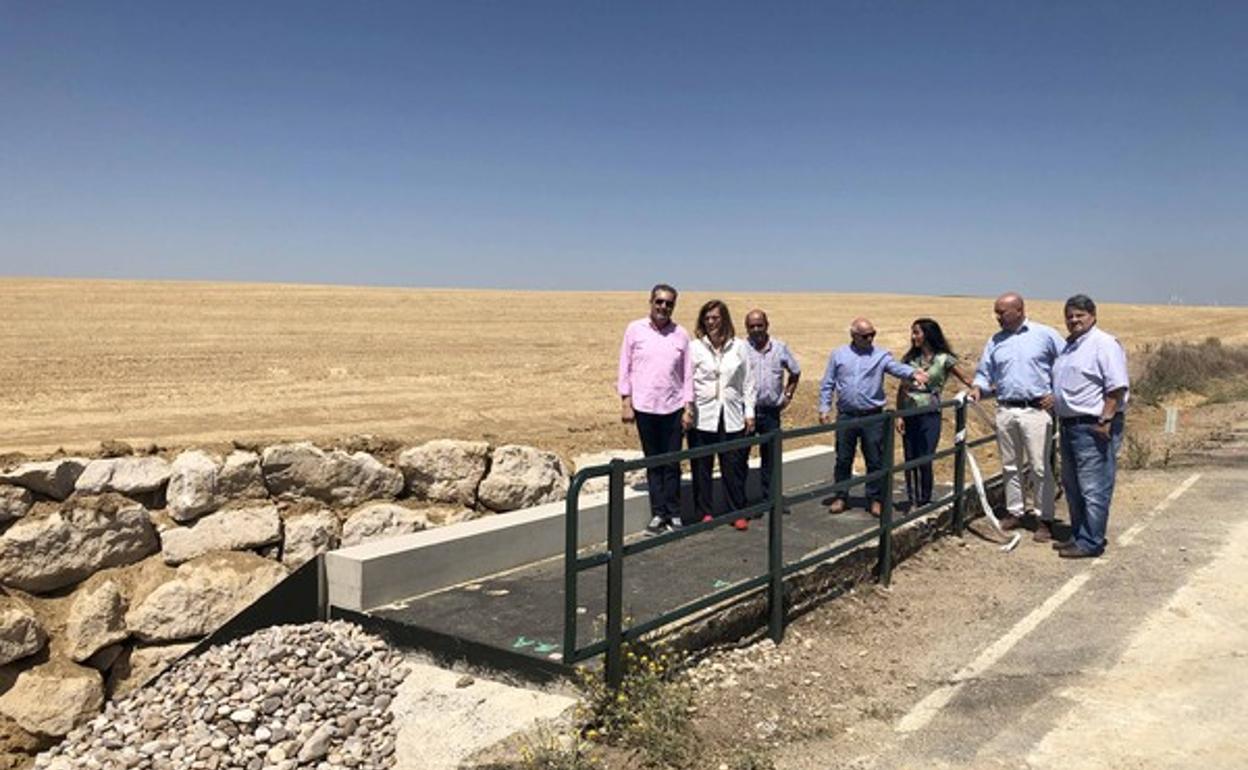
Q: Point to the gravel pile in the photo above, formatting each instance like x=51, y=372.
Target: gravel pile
x=312, y=696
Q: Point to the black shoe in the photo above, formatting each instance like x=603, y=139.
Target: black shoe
x=1060, y=544
x=1075, y=552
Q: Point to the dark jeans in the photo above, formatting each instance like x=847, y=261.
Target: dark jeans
x=1089, y=464
x=732, y=468
x=766, y=419
x=871, y=437
x=660, y=433
x=921, y=438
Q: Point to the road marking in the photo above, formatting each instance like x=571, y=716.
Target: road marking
x=1135, y=529
x=927, y=709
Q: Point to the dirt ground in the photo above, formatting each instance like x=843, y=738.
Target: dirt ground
x=177, y=364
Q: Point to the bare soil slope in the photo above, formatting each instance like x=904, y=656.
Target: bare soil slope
x=185, y=363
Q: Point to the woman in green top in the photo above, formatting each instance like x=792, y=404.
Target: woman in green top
x=920, y=433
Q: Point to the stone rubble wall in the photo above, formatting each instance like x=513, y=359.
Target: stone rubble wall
x=113, y=567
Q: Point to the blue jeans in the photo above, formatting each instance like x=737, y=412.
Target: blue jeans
x=1089, y=464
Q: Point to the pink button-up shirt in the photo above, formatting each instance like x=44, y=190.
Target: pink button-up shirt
x=655, y=367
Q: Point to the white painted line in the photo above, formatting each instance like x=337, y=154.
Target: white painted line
x=926, y=710
x=1134, y=530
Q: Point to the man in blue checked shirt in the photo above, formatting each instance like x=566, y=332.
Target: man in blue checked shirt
x=770, y=359
x=1017, y=363
x=855, y=375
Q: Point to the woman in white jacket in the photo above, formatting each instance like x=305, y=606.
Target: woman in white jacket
x=724, y=389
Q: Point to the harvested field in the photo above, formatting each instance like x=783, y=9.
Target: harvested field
x=203, y=363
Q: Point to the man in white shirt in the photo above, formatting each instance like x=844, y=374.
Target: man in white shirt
x=1090, y=388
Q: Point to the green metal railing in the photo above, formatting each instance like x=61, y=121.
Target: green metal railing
x=617, y=550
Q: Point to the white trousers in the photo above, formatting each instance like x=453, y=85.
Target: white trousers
x=1024, y=436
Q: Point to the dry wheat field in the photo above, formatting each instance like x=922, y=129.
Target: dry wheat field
x=83, y=361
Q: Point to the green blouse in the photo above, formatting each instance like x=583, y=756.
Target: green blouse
x=937, y=372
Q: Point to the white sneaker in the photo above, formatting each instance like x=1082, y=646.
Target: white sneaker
x=656, y=526
x=675, y=524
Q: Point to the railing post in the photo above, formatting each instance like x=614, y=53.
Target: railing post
x=959, y=468
x=775, y=546
x=615, y=576
x=886, y=506
x=571, y=534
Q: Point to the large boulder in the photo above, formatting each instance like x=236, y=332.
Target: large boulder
x=598, y=484
x=49, y=552
x=240, y=477
x=15, y=502
x=308, y=535
x=292, y=471
x=522, y=476
x=203, y=594
x=445, y=470
x=378, y=520
x=127, y=475
x=20, y=632
x=50, y=478
x=140, y=665
x=230, y=530
x=97, y=619
x=192, y=489
x=53, y=698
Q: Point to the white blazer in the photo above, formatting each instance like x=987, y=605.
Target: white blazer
x=723, y=382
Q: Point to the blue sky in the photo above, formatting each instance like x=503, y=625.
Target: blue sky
x=945, y=148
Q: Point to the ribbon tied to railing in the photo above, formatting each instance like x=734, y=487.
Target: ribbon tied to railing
x=960, y=438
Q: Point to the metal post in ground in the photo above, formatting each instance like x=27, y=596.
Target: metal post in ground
x=775, y=526
x=571, y=536
x=959, y=468
x=615, y=575
x=886, y=505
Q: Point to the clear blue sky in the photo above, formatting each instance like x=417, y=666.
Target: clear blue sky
x=921, y=147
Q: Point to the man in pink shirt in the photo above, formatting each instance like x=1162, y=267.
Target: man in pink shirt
x=656, y=391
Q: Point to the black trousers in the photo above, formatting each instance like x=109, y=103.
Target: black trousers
x=766, y=419
x=871, y=438
x=732, y=468
x=660, y=433
x=921, y=438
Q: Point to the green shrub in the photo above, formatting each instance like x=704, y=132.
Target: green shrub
x=1206, y=368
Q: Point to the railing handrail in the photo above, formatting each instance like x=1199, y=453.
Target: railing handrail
x=772, y=442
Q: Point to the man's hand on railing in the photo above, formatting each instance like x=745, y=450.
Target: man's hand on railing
x=901, y=426
x=824, y=418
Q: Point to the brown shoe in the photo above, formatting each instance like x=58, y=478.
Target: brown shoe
x=1044, y=533
x=1010, y=521
x=837, y=506
x=875, y=508
x=1060, y=544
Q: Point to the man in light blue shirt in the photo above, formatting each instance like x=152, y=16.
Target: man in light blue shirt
x=1090, y=389
x=855, y=375
x=1017, y=363
x=770, y=358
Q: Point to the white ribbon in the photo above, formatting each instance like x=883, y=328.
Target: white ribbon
x=960, y=438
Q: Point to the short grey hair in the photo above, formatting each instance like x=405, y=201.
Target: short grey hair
x=1081, y=302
